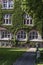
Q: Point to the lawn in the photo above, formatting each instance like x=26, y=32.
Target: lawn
x=40, y=64
x=9, y=55
x=41, y=49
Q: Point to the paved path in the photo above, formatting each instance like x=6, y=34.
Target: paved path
x=28, y=58
x=31, y=50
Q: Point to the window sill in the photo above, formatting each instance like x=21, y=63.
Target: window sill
x=7, y=24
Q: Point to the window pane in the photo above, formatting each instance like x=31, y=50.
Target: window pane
x=33, y=37
x=4, y=5
x=36, y=33
x=2, y=44
x=9, y=36
x=29, y=37
x=36, y=37
x=21, y=36
x=24, y=21
x=27, y=21
x=6, y=15
x=31, y=21
x=33, y=33
x=18, y=36
x=24, y=33
x=27, y=16
x=6, y=21
x=9, y=21
x=2, y=35
x=21, y=32
x=24, y=36
x=7, y=44
x=6, y=36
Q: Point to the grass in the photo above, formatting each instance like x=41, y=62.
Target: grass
x=9, y=55
x=41, y=49
x=40, y=64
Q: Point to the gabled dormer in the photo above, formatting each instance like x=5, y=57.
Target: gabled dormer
x=27, y=20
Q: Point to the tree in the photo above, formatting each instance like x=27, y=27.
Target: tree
x=35, y=7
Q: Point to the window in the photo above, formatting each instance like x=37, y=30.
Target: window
x=24, y=21
x=4, y=43
x=7, y=4
x=21, y=35
x=27, y=20
x=5, y=34
x=33, y=35
x=7, y=19
x=7, y=43
x=31, y=21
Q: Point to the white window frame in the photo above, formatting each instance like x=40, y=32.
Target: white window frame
x=6, y=34
x=7, y=3
x=28, y=18
x=7, y=17
x=23, y=35
x=31, y=35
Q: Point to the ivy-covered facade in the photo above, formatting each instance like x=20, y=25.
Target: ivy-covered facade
x=17, y=25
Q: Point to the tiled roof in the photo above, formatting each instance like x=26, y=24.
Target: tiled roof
x=1, y=28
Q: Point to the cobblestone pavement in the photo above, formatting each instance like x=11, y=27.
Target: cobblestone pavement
x=28, y=58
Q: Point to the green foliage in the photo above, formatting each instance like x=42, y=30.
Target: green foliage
x=33, y=8
x=17, y=16
x=9, y=55
x=0, y=15
x=36, y=9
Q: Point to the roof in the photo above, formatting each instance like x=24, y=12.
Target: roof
x=1, y=28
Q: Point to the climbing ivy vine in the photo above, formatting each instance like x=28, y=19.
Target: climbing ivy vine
x=31, y=7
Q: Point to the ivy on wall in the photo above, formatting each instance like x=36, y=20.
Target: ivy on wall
x=17, y=17
x=0, y=15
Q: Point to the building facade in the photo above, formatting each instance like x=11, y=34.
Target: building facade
x=16, y=24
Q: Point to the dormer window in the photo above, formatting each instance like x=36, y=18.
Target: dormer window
x=7, y=19
x=7, y=4
x=28, y=20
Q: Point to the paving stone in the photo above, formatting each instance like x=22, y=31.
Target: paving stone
x=28, y=58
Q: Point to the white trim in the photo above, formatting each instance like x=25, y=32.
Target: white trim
x=22, y=35
x=33, y=34
x=7, y=19
x=28, y=18
x=5, y=35
x=8, y=4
